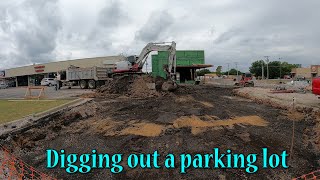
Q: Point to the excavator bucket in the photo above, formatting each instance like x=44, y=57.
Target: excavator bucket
x=169, y=86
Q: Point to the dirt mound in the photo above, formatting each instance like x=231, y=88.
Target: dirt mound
x=140, y=86
x=116, y=86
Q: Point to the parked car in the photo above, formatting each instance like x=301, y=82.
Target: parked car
x=48, y=82
x=3, y=85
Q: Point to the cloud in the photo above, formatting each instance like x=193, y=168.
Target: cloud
x=31, y=29
x=156, y=27
x=96, y=39
x=112, y=15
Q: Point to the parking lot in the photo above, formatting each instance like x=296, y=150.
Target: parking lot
x=50, y=93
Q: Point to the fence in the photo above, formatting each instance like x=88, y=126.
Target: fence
x=311, y=176
x=12, y=168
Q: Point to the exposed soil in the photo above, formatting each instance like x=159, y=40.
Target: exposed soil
x=133, y=86
x=194, y=119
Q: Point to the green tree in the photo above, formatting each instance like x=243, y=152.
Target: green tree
x=276, y=68
x=202, y=72
x=286, y=68
x=233, y=72
x=218, y=70
x=256, y=68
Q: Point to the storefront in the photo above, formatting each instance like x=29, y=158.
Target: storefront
x=33, y=74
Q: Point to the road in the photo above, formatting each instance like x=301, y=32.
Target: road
x=50, y=93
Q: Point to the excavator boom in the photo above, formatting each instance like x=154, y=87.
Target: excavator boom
x=123, y=67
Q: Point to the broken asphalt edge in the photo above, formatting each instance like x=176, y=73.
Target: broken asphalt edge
x=32, y=120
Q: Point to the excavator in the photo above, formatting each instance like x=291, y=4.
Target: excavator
x=133, y=64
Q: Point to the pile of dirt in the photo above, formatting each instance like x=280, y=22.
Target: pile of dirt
x=139, y=87
x=115, y=86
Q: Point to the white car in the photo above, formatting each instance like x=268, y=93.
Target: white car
x=3, y=85
x=48, y=82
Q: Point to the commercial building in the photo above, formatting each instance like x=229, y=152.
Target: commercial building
x=187, y=64
x=188, y=61
x=307, y=73
x=33, y=74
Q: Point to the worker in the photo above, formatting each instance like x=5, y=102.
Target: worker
x=57, y=84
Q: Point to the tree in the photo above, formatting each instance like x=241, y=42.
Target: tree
x=233, y=72
x=202, y=72
x=256, y=68
x=218, y=70
x=276, y=68
x=286, y=68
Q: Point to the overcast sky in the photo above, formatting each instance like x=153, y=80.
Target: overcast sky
x=37, y=31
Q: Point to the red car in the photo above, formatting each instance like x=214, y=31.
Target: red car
x=316, y=86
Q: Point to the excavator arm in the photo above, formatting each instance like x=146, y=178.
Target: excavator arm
x=158, y=47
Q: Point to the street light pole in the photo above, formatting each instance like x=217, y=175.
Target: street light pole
x=237, y=70
x=280, y=67
x=228, y=69
x=267, y=66
x=262, y=70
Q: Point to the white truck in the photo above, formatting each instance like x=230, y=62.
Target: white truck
x=85, y=77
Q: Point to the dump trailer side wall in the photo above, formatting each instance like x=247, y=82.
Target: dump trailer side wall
x=95, y=73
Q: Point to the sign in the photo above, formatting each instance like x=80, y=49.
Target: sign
x=39, y=69
x=2, y=73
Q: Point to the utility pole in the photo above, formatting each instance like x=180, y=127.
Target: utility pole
x=267, y=60
x=262, y=69
x=237, y=69
x=280, y=67
x=228, y=68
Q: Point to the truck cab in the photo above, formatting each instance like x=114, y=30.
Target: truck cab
x=316, y=86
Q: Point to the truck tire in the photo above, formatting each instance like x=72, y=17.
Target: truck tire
x=83, y=84
x=92, y=84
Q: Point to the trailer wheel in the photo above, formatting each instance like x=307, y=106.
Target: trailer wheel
x=83, y=84
x=92, y=84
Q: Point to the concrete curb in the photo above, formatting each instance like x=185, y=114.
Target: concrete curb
x=28, y=121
